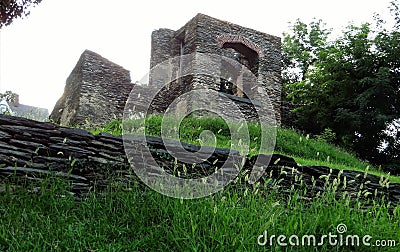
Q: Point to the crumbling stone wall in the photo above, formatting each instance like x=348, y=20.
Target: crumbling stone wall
x=204, y=34
x=95, y=91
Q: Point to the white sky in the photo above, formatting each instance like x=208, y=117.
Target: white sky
x=38, y=53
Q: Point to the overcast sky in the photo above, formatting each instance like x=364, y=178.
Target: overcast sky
x=38, y=53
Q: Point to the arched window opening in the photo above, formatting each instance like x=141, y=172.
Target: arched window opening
x=246, y=57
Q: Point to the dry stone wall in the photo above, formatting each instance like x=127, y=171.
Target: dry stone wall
x=31, y=150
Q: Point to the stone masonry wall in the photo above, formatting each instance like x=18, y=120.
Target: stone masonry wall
x=95, y=91
x=161, y=46
x=204, y=34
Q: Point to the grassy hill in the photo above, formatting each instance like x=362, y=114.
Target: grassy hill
x=237, y=218
x=304, y=149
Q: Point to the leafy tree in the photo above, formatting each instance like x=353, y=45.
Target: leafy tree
x=8, y=96
x=301, y=48
x=11, y=9
x=350, y=85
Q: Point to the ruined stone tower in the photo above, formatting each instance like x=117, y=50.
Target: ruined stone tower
x=259, y=52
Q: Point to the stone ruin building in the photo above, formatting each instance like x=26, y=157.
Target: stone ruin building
x=259, y=52
x=95, y=92
x=98, y=89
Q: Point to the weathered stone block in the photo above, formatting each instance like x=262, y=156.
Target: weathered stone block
x=96, y=91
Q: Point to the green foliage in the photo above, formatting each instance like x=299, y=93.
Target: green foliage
x=12, y=9
x=114, y=127
x=327, y=135
x=351, y=86
x=302, y=48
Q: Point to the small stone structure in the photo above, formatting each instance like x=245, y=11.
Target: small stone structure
x=257, y=51
x=95, y=91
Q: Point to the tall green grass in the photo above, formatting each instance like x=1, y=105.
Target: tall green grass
x=143, y=220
